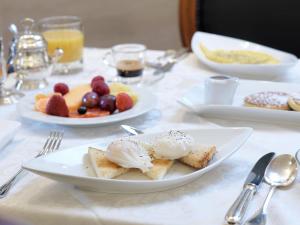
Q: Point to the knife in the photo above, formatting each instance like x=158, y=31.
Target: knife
x=131, y=130
x=237, y=211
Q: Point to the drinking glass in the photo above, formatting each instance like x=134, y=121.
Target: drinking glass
x=6, y=96
x=128, y=60
x=65, y=32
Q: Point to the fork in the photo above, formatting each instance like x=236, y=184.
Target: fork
x=52, y=144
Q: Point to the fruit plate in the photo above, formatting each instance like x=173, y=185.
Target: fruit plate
x=71, y=165
x=258, y=71
x=145, y=103
x=193, y=100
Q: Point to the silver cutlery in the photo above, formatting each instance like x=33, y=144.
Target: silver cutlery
x=169, y=59
x=297, y=156
x=174, y=55
x=131, y=130
x=237, y=211
x=164, y=68
x=282, y=171
x=169, y=55
x=52, y=144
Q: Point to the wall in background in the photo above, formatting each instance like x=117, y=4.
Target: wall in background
x=106, y=22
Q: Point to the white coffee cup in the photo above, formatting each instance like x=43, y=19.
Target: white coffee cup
x=220, y=90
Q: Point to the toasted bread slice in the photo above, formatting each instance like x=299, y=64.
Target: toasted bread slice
x=159, y=169
x=200, y=158
x=102, y=166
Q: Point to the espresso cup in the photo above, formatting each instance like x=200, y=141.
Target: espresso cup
x=128, y=60
x=220, y=90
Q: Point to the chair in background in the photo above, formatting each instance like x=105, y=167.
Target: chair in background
x=268, y=22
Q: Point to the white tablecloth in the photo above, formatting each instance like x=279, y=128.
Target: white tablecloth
x=40, y=201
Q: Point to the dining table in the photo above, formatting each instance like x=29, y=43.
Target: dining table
x=36, y=200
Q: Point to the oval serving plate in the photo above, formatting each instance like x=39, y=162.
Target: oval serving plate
x=249, y=71
x=72, y=166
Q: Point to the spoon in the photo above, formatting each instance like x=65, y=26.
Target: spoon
x=281, y=171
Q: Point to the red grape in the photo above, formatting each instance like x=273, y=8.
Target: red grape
x=61, y=88
x=108, y=103
x=97, y=78
x=90, y=99
x=100, y=88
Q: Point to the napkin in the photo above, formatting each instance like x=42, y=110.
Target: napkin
x=8, y=129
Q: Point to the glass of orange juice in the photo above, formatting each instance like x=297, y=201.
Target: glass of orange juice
x=65, y=32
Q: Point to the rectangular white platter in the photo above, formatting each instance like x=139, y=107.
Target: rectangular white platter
x=193, y=99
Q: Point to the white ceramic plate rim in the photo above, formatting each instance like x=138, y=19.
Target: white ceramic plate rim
x=146, y=102
x=247, y=130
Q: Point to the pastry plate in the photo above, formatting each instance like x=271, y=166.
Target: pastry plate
x=146, y=102
x=72, y=165
x=193, y=99
x=255, y=72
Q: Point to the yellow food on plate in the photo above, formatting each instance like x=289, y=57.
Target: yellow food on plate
x=116, y=88
x=238, y=56
x=294, y=101
x=160, y=168
x=41, y=104
x=102, y=166
x=41, y=101
x=119, y=87
x=40, y=96
x=74, y=97
x=268, y=99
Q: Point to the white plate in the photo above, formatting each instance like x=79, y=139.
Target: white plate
x=261, y=71
x=8, y=129
x=146, y=102
x=194, y=101
x=69, y=165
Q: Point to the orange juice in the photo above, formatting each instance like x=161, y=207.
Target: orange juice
x=70, y=40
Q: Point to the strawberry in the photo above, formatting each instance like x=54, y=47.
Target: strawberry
x=57, y=106
x=123, y=102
